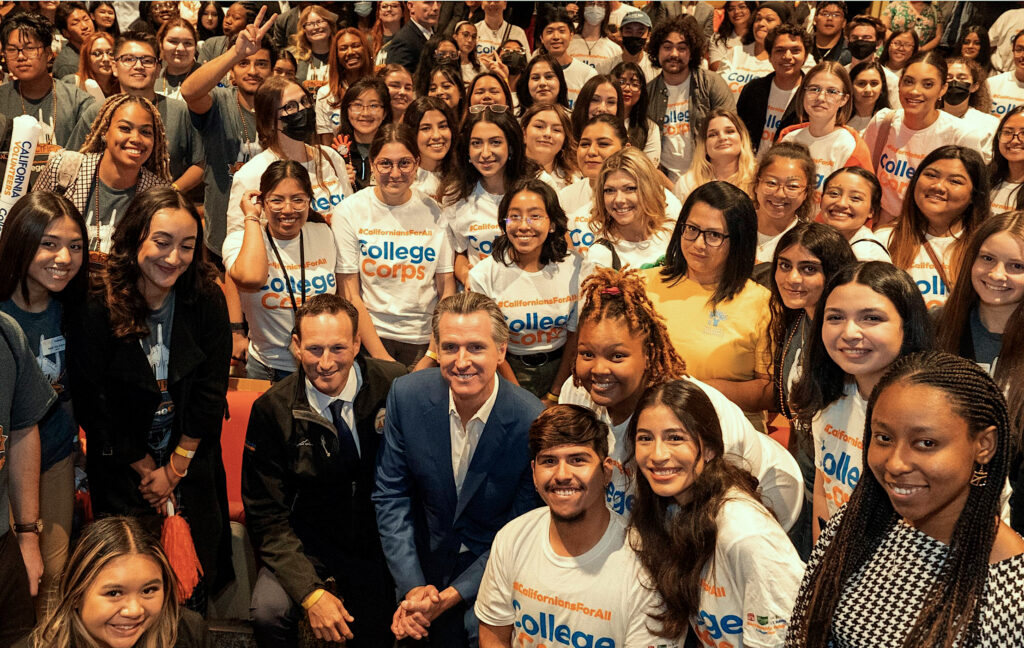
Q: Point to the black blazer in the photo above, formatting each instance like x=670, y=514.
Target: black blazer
x=407, y=46
x=116, y=396
x=752, y=106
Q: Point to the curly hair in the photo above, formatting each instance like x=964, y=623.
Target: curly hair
x=555, y=247
x=687, y=27
x=650, y=194
x=96, y=141
x=622, y=295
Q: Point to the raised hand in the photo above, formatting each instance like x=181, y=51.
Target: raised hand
x=250, y=39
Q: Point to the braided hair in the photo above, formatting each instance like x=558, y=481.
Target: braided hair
x=96, y=142
x=607, y=293
x=950, y=612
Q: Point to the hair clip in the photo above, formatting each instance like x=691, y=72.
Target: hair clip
x=614, y=291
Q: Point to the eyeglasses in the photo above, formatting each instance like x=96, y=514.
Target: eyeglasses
x=1008, y=135
x=293, y=107
x=129, y=61
x=830, y=93
x=529, y=220
x=1018, y=50
x=831, y=14
x=629, y=85
x=711, y=237
x=373, y=108
x=791, y=189
x=30, y=51
x=497, y=109
x=901, y=46
x=315, y=24
x=98, y=54
x=277, y=204
x=405, y=165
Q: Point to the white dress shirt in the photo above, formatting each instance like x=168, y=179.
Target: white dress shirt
x=321, y=402
x=466, y=438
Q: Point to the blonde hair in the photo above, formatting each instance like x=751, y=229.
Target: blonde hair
x=96, y=141
x=701, y=172
x=301, y=47
x=650, y=193
x=102, y=542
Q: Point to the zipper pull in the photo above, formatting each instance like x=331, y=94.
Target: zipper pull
x=324, y=444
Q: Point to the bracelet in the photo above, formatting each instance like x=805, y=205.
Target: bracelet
x=255, y=219
x=551, y=398
x=311, y=600
x=188, y=454
x=174, y=185
x=170, y=462
x=237, y=327
x=432, y=355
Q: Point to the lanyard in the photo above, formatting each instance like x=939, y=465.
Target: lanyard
x=284, y=271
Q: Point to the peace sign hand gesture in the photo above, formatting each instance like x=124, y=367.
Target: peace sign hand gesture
x=250, y=38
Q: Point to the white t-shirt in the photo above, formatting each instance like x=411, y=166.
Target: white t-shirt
x=922, y=270
x=830, y=153
x=718, y=49
x=838, y=433
x=328, y=117
x=778, y=101
x=488, y=40
x=652, y=147
x=746, y=600
x=557, y=181
x=766, y=244
x=676, y=138
x=269, y=309
x=1007, y=92
x=740, y=66
x=616, y=15
x=905, y=148
x=576, y=74
x=780, y=481
x=602, y=54
x=598, y=598
x=1004, y=196
x=397, y=252
x=635, y=254
x=859, y=123
x=983, y=125
x=540, y=307
x=474, y=224
x=329, y=188
x=867, y=246
x=428, y=182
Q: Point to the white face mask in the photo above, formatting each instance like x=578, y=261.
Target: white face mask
x=593, y=15
x=363, y=8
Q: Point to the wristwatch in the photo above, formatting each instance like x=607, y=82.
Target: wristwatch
x=29, y=527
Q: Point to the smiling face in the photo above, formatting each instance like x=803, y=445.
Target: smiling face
x=488, y=149
x=862, y=331
x=787, y=56
x=136, y=77
x=846, y=203
x=674, y=54
x=629, y=83
x=544, y=137
x=316, y=28
x=365, y=113
x=604, y=102
x=997, y=273
x=179, y=48
x=250, y=73
x=780, y=191
x=130, y=136
x=1018, y=56
x=723, y=142
x=622, y=202
x=971, y=46
x=597, y=142
x=400, y=88
x=543, y=83
x=611, y=365
x=800, y=278
x=468, y=355
x=821, y=106
x=103, y=16
x=123, y=601
x=527, y=237
x=434, y=136
x=1013, y=150
x=167, y=250
x=393, y=183
x=350, y=52
x=923, y=455
x=327, y=350
x=101, y=57
x=764, y=21
x=443, y=88
x=487, y=91
x=943, y=192
x=867, y=87
x=58, y=258
x=571, y=479
x=901, y=48
x=287, y=207
x=556, y=38
x=668, y=455
x=703, y=262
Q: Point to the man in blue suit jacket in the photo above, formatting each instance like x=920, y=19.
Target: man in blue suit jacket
x=454, y=467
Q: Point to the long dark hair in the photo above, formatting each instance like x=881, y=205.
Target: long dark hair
x=883, y=95
x=505, y=90
x=675, y=553
x=555, y=248
x=999, y=168
x=884, y=58
x=909, y=232
x=953, y=324
x=638, y=113
x=581, y=109
x=414, y=115
x=741, y=226
x=425, y=68
x=20, y=238
x=128, y=308
x=205, y=33
x=984, y=58
x=823, y=381
x=951, y=607
x=833, y=252
x=374, y=83
x=523, y=84
x=517, y=166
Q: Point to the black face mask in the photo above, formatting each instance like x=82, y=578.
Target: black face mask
x=299, y=126
x=862, y=49
x=957, y=93
x=445, y=57
x=514, y=61
x=633, y=44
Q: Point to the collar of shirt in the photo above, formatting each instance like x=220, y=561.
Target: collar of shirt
x=482, y=414
x=321, y=402
x=428, y=32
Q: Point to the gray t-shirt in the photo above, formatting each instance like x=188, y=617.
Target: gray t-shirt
x=231, y=141
x=113, y=205
x=25, y=397
x=71, y=104
x=157, y=347
x=184, y=145
x=986, y=343
x=66, y=62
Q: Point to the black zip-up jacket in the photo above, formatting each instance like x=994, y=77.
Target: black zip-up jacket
x=308, y=516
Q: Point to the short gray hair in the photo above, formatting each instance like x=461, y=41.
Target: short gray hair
x=465, y=303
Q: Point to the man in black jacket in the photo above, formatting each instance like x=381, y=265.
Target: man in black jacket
x=766, y=104
x=307, y=475
x=406, y=47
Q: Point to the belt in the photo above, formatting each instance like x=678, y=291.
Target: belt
x=538, y=359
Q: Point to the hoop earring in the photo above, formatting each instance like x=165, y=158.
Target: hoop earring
x=980, y=476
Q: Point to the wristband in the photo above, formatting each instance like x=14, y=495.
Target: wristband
x=182, y=452
x=432, y=355
x=179, y=475
x=174, y=185
x=237, y=327
x=551, y=398
x=311, y=600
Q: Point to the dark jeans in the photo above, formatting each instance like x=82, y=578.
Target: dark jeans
x=405, y=353
x=259, y=371
x=18, y=615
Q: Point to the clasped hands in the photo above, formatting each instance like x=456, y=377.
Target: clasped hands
x=422, y=605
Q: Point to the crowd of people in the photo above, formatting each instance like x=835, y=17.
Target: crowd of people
x=583, y=324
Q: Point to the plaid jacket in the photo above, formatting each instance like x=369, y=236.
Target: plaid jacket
x=78, y=190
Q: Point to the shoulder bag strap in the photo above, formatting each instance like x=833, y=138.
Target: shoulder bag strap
x=883, y=135
x=938, y=265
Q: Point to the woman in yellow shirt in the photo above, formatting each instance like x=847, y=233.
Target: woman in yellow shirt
x=717, y=317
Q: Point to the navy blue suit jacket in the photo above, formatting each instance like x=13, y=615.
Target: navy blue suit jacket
x=422, y=523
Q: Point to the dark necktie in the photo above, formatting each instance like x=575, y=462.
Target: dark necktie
x=346, y=444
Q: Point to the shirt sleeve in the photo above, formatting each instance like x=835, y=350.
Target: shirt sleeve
x=232, y=246
x=33, y=394
x=459, y=241
x=478, y=280
x=323, y=112
x=347, y=241
x=445, y=253
x=494, y=598
x=771, y=574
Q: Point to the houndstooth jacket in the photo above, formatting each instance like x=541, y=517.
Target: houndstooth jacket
x=77, y=190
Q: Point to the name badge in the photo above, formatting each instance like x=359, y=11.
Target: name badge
x=50, y=346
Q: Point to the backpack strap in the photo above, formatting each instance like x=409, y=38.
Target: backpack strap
x=616, y=261
x=67, y=170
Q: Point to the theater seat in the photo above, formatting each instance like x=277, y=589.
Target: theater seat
x=242, y=393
